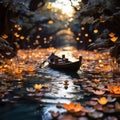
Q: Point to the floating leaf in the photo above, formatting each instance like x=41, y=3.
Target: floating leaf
x=114, y=89
x=38, y=86
x=96, y=115
x=30, y=89
x=102, y=101
x=72, y=107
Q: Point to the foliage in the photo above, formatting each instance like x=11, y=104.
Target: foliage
x=30, y=23
x=101, y=16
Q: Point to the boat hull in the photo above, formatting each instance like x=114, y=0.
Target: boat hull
x=65, y=66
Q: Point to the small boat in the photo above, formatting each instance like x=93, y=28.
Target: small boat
x=63, y=64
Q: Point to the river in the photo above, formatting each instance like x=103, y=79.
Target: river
x=88, y=88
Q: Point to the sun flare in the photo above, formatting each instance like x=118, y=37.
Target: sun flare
x=64, y=6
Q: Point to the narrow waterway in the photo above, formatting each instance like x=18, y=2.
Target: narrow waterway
x=43, y=93
x=21, y=105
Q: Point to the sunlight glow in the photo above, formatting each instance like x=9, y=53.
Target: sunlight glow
x=64, y=6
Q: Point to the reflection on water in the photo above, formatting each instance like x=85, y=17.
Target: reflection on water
x=19, y=102
x=60, y=90
x=25, y=108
